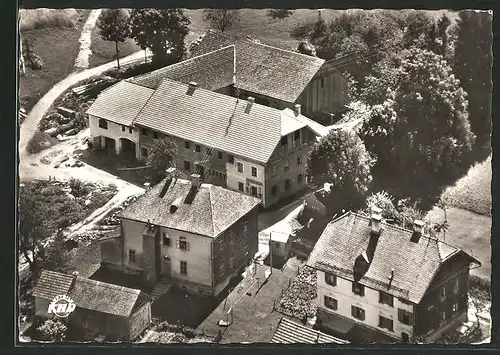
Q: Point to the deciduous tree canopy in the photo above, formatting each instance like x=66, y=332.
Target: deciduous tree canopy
x=113, y=25
x=221, y=19
x=160, y=158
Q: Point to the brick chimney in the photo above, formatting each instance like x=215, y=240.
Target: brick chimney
x=195, y=180
x=376, y=220
x=250, y=102
x=192, y=87
x=296, y=109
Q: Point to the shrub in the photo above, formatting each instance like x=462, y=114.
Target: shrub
x=35, y=62
x=78, y=188
x=52, y=330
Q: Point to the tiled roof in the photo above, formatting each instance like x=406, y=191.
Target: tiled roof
x=106, y=298
x=211, y=71
x=51, y=284
x=414, y=263
x=120, y=103
x=212, y=210
x=265, y=70
x=215, y=120
x=290, y=332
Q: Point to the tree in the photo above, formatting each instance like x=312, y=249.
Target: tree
x=419, y=27
x=420, y=132
x=221, y=19
x=160, y=158
x=52, y=330
x=33, y=229
x=473, y=66
x=279, y=14
x=53, y=256
x=113, y=25
x=402, y=213
x=340, y=158
x=161, y=30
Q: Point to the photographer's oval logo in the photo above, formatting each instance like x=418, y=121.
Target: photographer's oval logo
x=61, y=306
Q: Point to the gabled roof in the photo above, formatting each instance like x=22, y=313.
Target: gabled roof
x=265, y=70
x=121, y=102
x=211, y=71
x=106, y=298
x=414, y=263
x=51, y=284
x=213, y=119
x=289, y=332
x=213, y=209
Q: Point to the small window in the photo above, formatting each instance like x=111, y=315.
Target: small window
x=144, y=131
x=131, y=255
x=220, y=155
x=241, y=186
x=330, y=303
x=144, y=152
x=197, y=148
x=299, y=160
x=254, y=191
x=103, y=123
x=182, y=243
x=330, y=279
x=358, y=313
x=385, y=323
x=155, y=135
x=187, y=145
x=284, y=141
x=274, y=190
x=275, y=172
x=299, y=178
x=358, y=289
x=230, y=159
x=245, y=226
x=404, y=317
x=166, y=239
x=130, y=130
x=184, y=267
x=240, y=167
x=287, y=184
x=385, y=298
x=187, y=165
x=254, y=171
x=123, y=128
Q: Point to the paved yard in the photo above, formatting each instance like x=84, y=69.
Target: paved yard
x=253, y=317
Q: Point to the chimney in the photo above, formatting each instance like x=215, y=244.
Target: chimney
x=147, y=186
x=175, y=205
x=195, y=180
x=296, y=109
x=418, y=226
x=376, y=223
x=250, y=101
x=75, y=274
x=192, y=87
x=332, y=118
x=170, y=172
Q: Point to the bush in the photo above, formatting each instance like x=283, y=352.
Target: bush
x=52, y=330
x=78, y=188
x=35, y=62
x=46, y=18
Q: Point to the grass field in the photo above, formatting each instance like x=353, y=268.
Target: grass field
x=58, y=48
x=105, y=51
x=473, y=191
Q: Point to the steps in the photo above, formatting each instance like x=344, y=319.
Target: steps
x=160, y=289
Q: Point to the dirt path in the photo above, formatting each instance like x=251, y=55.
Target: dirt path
x=82, y=60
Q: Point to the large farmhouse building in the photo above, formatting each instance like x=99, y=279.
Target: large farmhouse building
x=191, y=234
x=231, y=142
x=397, y=283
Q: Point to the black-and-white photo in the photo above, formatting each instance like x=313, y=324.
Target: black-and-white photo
x=249, y=176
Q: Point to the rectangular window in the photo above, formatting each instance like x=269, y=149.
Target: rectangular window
x=385, y=298
x=131, y=255
x=130, y=130
x=220, y=155
x=155, y=135
x=182, y=243
x=144, y=152
x=358, y=289
x=405, y=317
x=240, y=167
x=123, y=128
x=230, y=159
x=254, y=191
x=274, y=170
x=166, y=239
x=241, y=186
x=254, y=171
x=274, y=190
x=299, y=178
x=187, y=145
x=184, y=268
x=197, y=148
x=358, y=313
x=187, y=165
x=287, y=184
x=299, y=160
x=330, y=303
x=385, y=323
x=330, y=279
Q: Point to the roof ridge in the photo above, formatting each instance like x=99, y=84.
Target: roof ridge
x=286, y=50
x=211, y=209
x=109, y=285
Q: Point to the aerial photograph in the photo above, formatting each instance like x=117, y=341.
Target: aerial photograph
x=282, y=176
